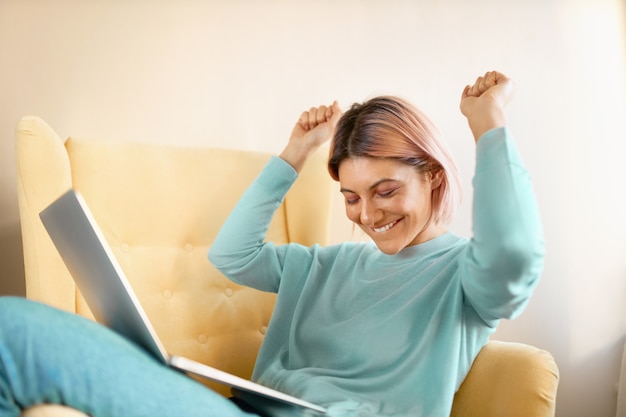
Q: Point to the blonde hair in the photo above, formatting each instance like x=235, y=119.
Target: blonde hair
x=392, y=128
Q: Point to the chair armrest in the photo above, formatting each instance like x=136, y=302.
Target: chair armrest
x=49, y=410
x=43, y=174
x=509, y=380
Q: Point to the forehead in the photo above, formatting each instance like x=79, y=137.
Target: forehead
x=360, y=172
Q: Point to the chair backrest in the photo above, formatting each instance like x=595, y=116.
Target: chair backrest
x=160, y=208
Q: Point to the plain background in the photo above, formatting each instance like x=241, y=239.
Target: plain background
x=237, y=73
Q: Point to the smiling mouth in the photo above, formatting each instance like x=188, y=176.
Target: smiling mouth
x=385, y=227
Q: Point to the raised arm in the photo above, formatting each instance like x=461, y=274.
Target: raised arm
x=505, y=256
x=240, y=249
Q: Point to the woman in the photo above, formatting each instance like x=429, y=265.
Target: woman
x=383, y=328
x=390, y=328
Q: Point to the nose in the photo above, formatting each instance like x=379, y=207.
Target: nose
x=370, y=213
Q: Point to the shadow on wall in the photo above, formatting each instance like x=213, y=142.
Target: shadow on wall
x=11, y=261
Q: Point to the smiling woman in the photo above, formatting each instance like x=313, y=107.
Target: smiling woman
x=384, y=329
x=390, y=328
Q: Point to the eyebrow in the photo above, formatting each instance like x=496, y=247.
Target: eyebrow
x=373, y=186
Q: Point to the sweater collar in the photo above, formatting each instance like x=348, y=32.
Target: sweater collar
x=410, y=253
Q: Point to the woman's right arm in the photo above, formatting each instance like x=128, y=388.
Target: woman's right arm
x=239, y=250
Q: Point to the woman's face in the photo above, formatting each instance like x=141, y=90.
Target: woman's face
x=390, y=201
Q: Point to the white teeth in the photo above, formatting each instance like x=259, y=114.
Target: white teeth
x=385, y=227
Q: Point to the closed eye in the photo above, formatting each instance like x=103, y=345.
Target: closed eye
x=386, y=194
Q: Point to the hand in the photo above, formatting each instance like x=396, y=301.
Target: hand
x=483, y=103
x=313, y=128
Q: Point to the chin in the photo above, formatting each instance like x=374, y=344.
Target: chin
x=389, y=249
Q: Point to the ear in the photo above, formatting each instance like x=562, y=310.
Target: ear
x=436, y=178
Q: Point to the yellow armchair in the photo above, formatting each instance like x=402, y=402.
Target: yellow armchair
x=160, y=207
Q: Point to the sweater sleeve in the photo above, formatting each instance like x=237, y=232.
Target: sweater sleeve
x=239, y=250
x=504, y=259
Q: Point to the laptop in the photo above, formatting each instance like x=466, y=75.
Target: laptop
x=113, y=302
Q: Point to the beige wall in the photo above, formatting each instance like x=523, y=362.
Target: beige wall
x=238, y=73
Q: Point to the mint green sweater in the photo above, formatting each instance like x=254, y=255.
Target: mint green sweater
x=369, y=334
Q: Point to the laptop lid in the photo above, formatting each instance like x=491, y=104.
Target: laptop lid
x=100, y=278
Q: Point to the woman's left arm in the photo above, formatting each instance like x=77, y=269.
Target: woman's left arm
x=505, y=257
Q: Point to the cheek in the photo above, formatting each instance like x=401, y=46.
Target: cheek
x=352, y=213
x=418, y=205
x=423, y=204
